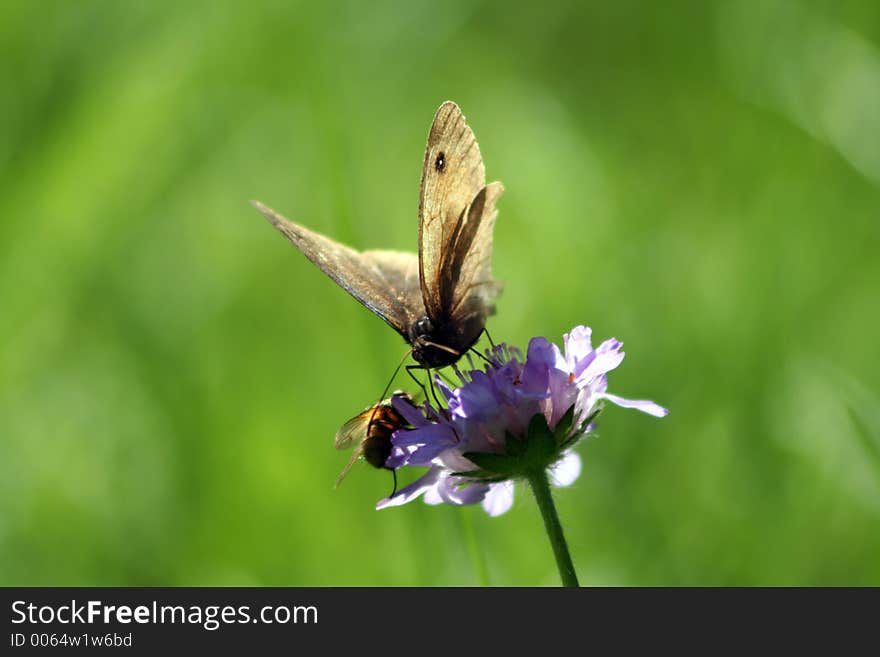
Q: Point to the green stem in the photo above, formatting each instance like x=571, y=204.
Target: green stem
x=541, y=488
x=473, y=546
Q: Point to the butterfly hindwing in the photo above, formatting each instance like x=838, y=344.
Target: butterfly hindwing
x=466, y=269
x=400, y=269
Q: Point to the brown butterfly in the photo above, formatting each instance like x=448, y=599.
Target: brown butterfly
x=439, y=300
x=371, y=433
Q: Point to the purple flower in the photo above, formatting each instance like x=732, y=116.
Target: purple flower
x=506, y=420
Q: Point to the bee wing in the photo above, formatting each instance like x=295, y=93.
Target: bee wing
x=354, y=431
x=348, y=466
x=350, y=434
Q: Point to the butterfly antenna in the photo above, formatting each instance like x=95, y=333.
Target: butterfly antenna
x=442, y=347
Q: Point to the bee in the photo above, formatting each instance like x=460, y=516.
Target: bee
x=370, y=433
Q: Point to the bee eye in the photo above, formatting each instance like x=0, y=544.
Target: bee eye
x=440, y=162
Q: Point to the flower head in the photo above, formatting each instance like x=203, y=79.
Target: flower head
x=506, y=420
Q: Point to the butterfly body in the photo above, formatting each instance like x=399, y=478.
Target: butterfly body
x=438, y=345
x=438, y=300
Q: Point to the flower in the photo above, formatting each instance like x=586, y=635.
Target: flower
x=507, y=420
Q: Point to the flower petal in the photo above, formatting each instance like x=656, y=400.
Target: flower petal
x=566, y=471
x=499, y=498
x=399, y=457
x=453, y=460
x=643, y=405
x=476, y=399
x=455, y=490
x=578, y=345
x=432, y=433
x=563, y=393
x=445, y=389
x=542, y=357
x=415, y=489
x=433, y=495
x=606, y=357
x=409, y=412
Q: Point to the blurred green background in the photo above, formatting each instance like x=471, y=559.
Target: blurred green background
x=699, y=180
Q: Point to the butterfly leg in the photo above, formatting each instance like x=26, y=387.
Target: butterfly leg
x=491, y=341
x=409, y=370
x=434, y=390
x=446, y=378
x=480, y=355
x=393, y=376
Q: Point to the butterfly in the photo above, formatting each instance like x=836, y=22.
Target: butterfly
x=439, y=299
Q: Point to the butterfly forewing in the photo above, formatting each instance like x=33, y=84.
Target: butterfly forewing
x=452, y=176
x=383, y=281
